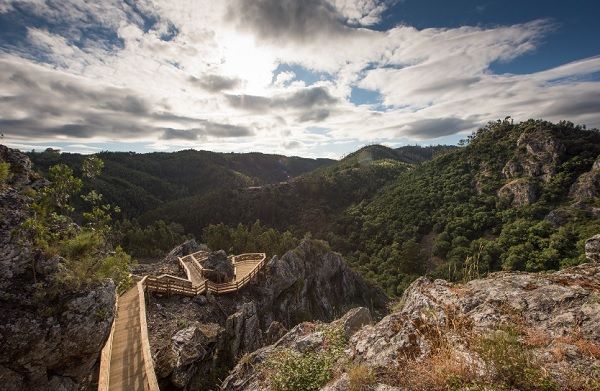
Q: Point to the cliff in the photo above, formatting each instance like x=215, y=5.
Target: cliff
x=513, y=330
x=51, y=338
x=196, y=341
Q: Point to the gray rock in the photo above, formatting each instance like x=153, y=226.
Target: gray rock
x=550, y=304
x=587, y=186
x=51, y=338
x=354, y=320
x=592, y=248
x=221, y=267
x=520, y=192
x=183, y=249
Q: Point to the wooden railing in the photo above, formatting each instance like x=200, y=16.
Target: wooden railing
x=170, y=284
x=151, y=384
x=106, y=355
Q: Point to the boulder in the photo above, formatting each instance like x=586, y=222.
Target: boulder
x=187, y=247
x=520, y=192
x=592, y=249
x=220, y=267
x=354, y=320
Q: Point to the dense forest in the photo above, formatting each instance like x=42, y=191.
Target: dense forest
x=511, y=197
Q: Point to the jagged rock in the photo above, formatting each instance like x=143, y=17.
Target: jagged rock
x=242, y=330
x=538, y=155
x=309, y=282
x=275, y=331
x=220, y=266
x=557, y=313
x=354, y=320
x=592, y=248
x=183, y=249
x=51, y=339
x=520, y=192
x=587, y=186
x=558, y=217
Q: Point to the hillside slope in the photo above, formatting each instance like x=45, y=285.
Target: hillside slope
x=517, y=197
x=141, y=182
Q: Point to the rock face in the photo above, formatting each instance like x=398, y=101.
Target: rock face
x=592, y=249
x=446, y=335
x=51, y=340
x=221, y=267
x=587, y=186
x=538, y=155
x=309, y=282
x=522, y=191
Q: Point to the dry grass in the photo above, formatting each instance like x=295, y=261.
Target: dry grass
x=442, y=370
x=360, y=378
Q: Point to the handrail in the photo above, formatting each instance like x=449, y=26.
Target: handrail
x=169, y=283
x=106, y=355
x=151, y=381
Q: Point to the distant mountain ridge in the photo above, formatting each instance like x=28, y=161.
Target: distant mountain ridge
x=141, y=182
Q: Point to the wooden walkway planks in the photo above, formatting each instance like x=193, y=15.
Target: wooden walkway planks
x=130, y=365
x=127, y=362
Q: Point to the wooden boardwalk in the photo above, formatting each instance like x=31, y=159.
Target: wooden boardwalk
x=126, y=362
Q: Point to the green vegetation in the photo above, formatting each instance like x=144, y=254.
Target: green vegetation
x=88, y=254
x=512, y=363
x=309, y=371
x=395, y=214
x=248, y=239
x=445, y=211
x=4, y=172
x=153, y=240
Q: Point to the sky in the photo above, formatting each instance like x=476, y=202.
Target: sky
x=314, y=78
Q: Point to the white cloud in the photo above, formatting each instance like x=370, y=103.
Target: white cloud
x=179, y=73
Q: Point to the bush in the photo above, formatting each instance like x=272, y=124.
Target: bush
x=293, y=371
x=4, y=172
x=513, y=363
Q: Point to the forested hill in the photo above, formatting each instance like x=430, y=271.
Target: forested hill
x=308, y=203
x=141, y=182
x=517, y=197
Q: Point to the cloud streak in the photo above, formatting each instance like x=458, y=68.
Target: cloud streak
x=170, y=75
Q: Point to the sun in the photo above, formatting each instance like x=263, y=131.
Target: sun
x=244, y=59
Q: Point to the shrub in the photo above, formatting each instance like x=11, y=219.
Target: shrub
x=294, y=371
x=513, y=363
x=4, y=172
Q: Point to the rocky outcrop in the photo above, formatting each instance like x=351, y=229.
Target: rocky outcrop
x=182, y=250
x=538, y=155
x=592, y=249
x=309, y=282
x=489, y=332
x=587, y=186
x=520, y=192
x=51, y=339
x=220, y=267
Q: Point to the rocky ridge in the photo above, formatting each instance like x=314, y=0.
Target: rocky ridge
x=196, y=341
x=50, y=339
x=515, y=330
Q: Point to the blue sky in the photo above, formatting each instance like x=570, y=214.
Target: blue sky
x=262, y=75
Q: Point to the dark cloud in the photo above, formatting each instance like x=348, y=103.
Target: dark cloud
x=449, y=84
x=303, y=99
x=283, y=20
x=581, y=104
x=292, y=144
x=209, y=129
x=314, y=115
x=57, y=105
x=215, y=83
x=436, y=127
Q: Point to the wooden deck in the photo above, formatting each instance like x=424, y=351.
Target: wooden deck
x=126, y=362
